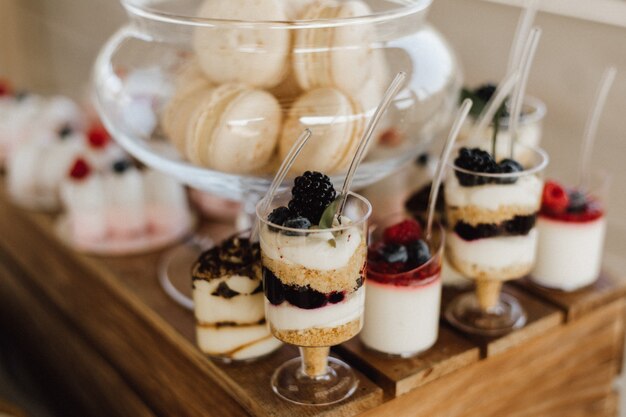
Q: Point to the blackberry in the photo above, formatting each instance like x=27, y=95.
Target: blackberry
x=485, y=92
x=279, y=215
x=509, y=166
x=274, y=289
x=476, y=160
x=305, y=297
x=312, y=192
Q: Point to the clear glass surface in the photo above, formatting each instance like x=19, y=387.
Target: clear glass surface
x=492, y=238
x=314, y=298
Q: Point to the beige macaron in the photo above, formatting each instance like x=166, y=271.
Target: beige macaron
x=337, y=123
x=336, y=56
x=231, y=53
x=234, y=128
x=190, y=85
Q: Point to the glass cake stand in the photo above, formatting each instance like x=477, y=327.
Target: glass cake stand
x=135, y=75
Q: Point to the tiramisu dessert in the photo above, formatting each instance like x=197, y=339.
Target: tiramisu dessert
x=313, y=272
x=571, y=228
x=491, y=209
x=403, y=289
x=228, y=302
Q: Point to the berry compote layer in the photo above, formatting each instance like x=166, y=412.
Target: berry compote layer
x=313, y=271
x=403, y=292
x=491, y=219
x=571, y=227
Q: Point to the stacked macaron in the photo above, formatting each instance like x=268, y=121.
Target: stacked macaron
x=244, y=97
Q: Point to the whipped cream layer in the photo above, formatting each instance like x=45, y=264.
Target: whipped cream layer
x=312, y=251
x=493, y=258
x=288, y=317
x=525, y=192
x=569, y=254
x=401, y=320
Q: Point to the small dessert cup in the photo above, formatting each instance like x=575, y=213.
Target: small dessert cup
x=314, y=298
x=492, y=238
x=403, y=295
x=228, y=302
x=572, y=226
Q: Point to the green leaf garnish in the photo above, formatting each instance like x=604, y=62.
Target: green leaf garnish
x=326, y=221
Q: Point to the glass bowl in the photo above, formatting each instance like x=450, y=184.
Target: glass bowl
x=213, y=94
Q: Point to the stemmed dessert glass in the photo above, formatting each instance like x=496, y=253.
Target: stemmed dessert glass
x=492, y=238
x=314, y=298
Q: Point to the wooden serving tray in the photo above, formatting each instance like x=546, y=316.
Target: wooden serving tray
x=129, y=350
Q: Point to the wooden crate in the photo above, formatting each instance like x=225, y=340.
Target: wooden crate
x=134, y=354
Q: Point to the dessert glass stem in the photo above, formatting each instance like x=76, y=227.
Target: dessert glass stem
x=591, y=128
x=314, y=361
x=488, y=294
x=520, y=88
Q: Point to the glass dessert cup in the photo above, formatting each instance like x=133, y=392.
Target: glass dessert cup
x=402, y=309
x=492, y=238
x=148, y=71
x=572, y=226
x=314, y=299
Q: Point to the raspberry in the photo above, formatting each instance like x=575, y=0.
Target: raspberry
x=312, y=192
x=5, y=88
x=403, y=233
x=555, y=198
x=80, y=169
x=98, y=137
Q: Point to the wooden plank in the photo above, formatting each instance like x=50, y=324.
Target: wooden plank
x=77, y=284
x=95, y=386
x=568, y=372
x=541, y=318
x=576, y=304
x=398, y=376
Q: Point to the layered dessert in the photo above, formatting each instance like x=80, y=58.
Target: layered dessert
x=491, y=210
x=228, y=302
x=571, y=225
x=403, y=291
x=313, y=266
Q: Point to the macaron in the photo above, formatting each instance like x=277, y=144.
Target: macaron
x=337, y=123
x=337, y=56
x=234, y=128
x=257, y=56
x=190, y=87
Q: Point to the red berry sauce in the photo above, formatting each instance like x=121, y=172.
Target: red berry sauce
x=569, y=205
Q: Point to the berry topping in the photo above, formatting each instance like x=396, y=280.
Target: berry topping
x=393, y=252
x=485, y=91
x=311, y=194
x=336, y=297
x=279, y=215
x=80, y=169
x=577, y=201
x=274, y=290
x=121, y=166
x=403, y=233
x=509, y=166
x=296, y=223
x=419, y=253
x=555, y=198
x=98, y=137
x=305, y=297
x=65, y=131
x=476, y=160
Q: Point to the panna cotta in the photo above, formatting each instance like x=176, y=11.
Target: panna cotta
x=572, y=226
x=314, y=266
x=228, y=302
x=403, y=291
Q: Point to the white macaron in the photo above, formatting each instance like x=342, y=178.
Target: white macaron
x=254, y=55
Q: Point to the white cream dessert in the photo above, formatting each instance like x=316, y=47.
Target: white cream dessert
x=492, y=234
x=403, y=292
x=313, y=278
x=167, y=208
x=125, y=206
x=228, y=302
x=572, y=226
x=83, y=197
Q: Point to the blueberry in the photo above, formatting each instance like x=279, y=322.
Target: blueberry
x=393, y=252
x=65, y=131
x=509, y=166
x=279, y=215
x=274, y=289
x=121, y=166
x=305, y=297
x=419, y=253
x=296, y=223
x=577, y=202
